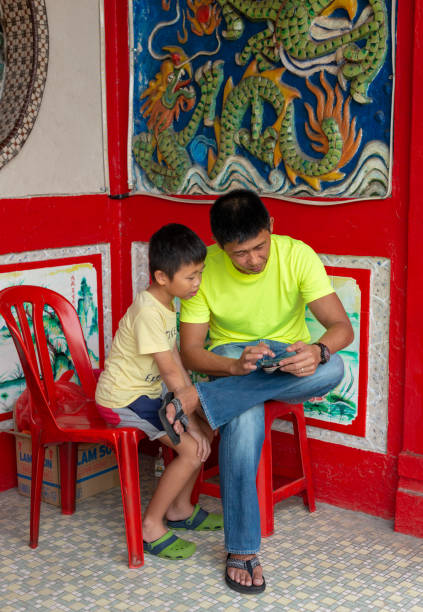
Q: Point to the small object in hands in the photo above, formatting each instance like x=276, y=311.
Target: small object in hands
x=324, y=352
x=269, y=365
x=180, y=415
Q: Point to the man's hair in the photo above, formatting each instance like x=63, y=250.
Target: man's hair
x=238, y=216
x=173, y=246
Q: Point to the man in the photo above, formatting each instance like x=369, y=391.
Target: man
x=251, y=301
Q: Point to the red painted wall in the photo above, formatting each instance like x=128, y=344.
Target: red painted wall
x=343, y=476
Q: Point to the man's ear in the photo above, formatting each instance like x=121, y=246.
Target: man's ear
x=161, y=277
x=271, y=222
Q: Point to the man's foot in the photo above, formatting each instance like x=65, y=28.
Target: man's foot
x=244, y=574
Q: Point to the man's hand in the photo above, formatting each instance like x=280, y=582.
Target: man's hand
x=203, y=444
x=304, y=363
x=247, y=362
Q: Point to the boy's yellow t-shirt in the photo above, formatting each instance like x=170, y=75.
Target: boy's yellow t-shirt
x=130, y=369
x=245, y=307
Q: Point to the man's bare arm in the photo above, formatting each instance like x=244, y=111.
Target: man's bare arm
x=196, y=357
x=330, y=312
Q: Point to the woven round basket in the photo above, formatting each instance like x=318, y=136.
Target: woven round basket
x=23, y=71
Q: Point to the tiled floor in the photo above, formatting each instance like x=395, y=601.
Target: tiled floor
x=331, y=560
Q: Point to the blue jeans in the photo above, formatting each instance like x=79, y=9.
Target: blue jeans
x=234, y=404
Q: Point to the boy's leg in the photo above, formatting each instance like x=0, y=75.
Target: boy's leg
x=181, y=507
x=178, y=475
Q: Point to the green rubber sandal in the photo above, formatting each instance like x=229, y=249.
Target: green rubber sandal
x=169, y=546
x=200, y=520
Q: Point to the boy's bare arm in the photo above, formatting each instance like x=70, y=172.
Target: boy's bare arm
x=181, y=365
x=176, y=377
x=171, y=369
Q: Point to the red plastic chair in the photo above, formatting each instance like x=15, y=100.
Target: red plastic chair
x=23, y=307
x=268, y=494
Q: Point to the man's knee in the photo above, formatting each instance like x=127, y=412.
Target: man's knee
x=326, y=377
x=334, y=370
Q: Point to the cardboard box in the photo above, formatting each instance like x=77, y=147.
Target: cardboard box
x=97, y=470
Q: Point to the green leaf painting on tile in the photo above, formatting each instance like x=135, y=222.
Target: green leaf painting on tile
x=78, y=283
x=341, y=404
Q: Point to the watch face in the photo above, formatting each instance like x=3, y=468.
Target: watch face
x=324, y=353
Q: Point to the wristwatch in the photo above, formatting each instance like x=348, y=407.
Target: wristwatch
x=324, y=352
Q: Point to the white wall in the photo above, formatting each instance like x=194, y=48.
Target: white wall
x=64, y=151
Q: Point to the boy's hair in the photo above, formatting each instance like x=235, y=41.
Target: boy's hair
x=173, y=246
x=238, y=216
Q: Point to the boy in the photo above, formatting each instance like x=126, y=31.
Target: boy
x=143, y=354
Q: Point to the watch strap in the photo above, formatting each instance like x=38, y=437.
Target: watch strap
x=324, y=352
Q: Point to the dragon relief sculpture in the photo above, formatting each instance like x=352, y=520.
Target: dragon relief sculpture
x=162, y=151
x=289, y=23
x=169, y=93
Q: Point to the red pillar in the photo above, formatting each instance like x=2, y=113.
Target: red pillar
x=409, y=498
x=117, y=92
x=116, y=36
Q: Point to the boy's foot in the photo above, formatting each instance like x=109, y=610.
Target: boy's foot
x=200, y=520
x=169, y=546
x=244, y=574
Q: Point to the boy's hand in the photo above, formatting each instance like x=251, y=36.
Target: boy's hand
x=203, y=444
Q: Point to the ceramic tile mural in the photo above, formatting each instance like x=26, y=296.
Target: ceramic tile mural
x=80, y=280
x=290, y=98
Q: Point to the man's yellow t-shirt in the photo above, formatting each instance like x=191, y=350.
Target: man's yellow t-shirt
x=130, y=370
x=270, y=305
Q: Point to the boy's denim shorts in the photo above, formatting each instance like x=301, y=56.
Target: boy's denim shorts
x=142, y=413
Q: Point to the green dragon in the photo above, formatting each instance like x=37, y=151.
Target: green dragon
x=277, y=142
x=288, y=29
x=167, y=95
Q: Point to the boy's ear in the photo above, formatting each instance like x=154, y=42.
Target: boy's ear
x=161, y=277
